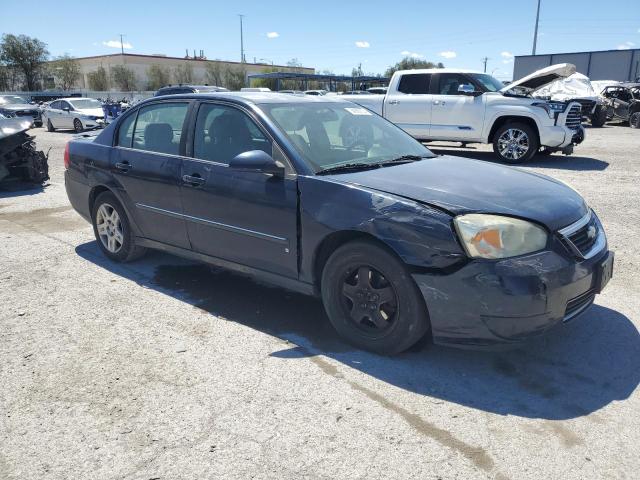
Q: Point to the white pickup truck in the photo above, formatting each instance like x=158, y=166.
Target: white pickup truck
x=473, y=107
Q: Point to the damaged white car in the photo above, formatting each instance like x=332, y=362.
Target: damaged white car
x=576, y=88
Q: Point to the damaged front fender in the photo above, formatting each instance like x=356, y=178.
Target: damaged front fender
x=18, y=155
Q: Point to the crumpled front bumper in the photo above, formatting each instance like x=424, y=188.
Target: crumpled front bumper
x=487, y=303
x=559, y=136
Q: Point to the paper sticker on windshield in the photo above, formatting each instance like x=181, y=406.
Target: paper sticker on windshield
x=358, y=111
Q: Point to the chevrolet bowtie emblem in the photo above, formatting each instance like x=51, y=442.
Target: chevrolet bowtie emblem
x=591, y=232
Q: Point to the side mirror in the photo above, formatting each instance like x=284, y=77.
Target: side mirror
x=257, y=161
x=468, y=89
x=66, y=109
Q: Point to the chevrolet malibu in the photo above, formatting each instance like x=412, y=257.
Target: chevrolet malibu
x=324, y=197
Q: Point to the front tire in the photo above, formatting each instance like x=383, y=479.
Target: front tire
x=634, y=120
x=50, y=126
x=599, y=117
x=77, y=126
x=112, y=229
x=371, y=299
x=515, y=142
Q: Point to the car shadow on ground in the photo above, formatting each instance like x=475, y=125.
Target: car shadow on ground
x=574, y=371
x=14, y=188
x=555, y=161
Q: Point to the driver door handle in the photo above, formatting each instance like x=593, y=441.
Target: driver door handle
x=439, y=102
x=394, y=102
x=123, y=166
x=194, y=180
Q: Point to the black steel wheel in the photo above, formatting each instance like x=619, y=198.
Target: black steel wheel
x=372, y=300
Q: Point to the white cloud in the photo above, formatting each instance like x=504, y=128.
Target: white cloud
x=273, y=34
x=506, y=54
x=116, y=44
x=626, y=46
x=448, y=54
x=362, y=44
x=507, y=61
x=407, y=53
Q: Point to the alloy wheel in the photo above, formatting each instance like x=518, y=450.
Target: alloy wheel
x=109, y=228
x=513, y=144
x=369, y=300
x=77, y=125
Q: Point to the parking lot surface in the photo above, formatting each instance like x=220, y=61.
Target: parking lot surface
x=164, y=369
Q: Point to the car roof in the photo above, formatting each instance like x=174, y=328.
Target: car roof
x=440, y=70
x=256, y=97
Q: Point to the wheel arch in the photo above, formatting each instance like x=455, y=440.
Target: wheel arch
x=101, y=188
x=504, y=119
x=335, y=240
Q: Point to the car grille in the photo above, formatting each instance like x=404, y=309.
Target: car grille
x=27, y=113
x=578, y=304
x=587, y=106
x=584, y=238
x=574, y=116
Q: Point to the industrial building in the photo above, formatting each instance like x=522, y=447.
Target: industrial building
x=198, y=67
x=621, y=65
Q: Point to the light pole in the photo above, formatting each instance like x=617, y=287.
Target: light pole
x=241, y=40
x=535, y=31
x=121, y=44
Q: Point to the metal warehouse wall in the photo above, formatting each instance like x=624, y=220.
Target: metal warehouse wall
x=604, y=65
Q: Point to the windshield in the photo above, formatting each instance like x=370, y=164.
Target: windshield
x=487, y=81
x=85, y=103
x=331, y=134
x=12, y=100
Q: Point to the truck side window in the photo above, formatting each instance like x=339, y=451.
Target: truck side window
x=449, y=83
x=414, y=83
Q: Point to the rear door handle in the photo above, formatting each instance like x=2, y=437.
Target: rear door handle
x=394, y=102
x=123, y=166
x=439, y=102
x=194, y=180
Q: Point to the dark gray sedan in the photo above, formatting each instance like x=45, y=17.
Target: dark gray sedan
x=17, y=106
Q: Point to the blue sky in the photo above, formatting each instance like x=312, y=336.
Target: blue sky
x=330, y=34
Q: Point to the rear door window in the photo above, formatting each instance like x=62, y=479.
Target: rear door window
x=159, y=127
x=414, y=83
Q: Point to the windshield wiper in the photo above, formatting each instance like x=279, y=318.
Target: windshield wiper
x=405, y=159
x=347, y=167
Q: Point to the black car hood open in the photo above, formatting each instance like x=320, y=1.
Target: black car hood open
x=460, y=185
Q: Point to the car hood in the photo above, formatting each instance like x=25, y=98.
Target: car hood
x=460, y=185
x=542, y=77
x=18, y=106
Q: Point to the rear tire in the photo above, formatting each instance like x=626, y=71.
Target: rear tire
x=599, y=117
x=371, y=299
x=77, y=126
x=515, y=142
x=634, y=120
x=50, y=126
x=112, y=229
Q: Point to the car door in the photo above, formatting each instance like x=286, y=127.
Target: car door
x=146, y=163
x=455, y=116
x=409, y=106
x=249, y=218
x=53, y=114
x=66, y=115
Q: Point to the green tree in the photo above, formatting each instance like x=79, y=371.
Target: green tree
x=214, y=74
x=183, y=73
x=98, y=80
x=266, y=82
x=25, y=54
x=235, y=79
x=4, y=78
x=124, y=78
x=409, y=63
x=158, y=76
x=67, y=70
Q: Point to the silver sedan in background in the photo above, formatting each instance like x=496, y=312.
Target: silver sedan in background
x=77, y=114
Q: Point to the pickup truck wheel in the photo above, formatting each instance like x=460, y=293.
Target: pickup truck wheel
x=515, y=142
x=634, y=120
x=77, y=126
x=50, y=126
x=371, y=299
x=112, y=229
x=599, y=117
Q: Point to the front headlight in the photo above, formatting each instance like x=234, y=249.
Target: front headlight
x=552, y=108
x=495, y=236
